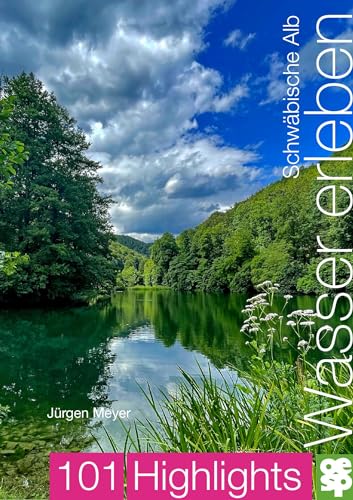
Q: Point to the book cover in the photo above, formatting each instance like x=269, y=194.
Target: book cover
x=176, y=239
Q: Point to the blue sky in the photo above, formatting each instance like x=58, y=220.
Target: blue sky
x=181, y=101
x=258, y=120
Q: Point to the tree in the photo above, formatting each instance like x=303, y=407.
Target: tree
x=130, y=276
x=135, y=245
x=163, y=251
x=12, y=154
x=272, y=263
x=54, y=213
x=149, y=277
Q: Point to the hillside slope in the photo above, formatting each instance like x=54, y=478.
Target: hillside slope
x=270, y=236
x=134, y=244
x=128, y=264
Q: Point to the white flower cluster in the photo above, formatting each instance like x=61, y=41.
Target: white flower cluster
x=291, y=323
x=264, y=284
x=269, y=324
x=307, y=313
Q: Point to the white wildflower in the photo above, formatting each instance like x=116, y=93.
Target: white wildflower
x=291, y=323
x=296, y=314
x=288, y=296
x=302, y=344
x=257, y=298
x=271, y=316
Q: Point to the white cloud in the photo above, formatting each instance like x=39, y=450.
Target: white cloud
x=237, y=38
x=277, y=172
x=310, y=51
x=179, y=187
x=274, y=81
x=129, y=73
x=146, y=237
x=226, y=102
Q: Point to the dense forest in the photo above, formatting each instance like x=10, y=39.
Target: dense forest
x=270, y=236
x=52, y=216
x=129, y=265
x=56, y=241
x=138, y=246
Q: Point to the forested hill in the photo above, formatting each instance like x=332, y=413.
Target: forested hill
x=128, y=264
x=270, y=236
x=136, y=245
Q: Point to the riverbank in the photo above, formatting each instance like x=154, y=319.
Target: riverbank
x=147, y=287
x=90, y=357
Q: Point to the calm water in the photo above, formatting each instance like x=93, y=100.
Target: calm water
x=96, y=357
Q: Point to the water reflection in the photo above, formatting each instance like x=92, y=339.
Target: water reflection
x=94, y=357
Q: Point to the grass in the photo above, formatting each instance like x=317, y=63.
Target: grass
x=261, y=410
x=234, y=414
x=207, y=416
x=6, y=495
x=16, y=493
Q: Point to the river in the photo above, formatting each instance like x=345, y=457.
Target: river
x=98, y=357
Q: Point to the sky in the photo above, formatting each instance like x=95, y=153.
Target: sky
x=181, y=100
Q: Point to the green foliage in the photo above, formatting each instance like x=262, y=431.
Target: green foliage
x=261, y=409
x=206, y=416
x=9, y=261
x=271, y=235
x=136, y=245
x=128, y=264
x=271, y=262
x=163, y=251
x=53, y=213
x=149, y=273
x=130, y=276
x=12, y=152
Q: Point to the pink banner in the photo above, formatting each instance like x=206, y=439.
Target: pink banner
x=91, y=476
x=205, y=476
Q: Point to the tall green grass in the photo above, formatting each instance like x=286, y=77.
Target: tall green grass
x=14, y=495
x=231, y=414
x=205, y=415
x=261, y=409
